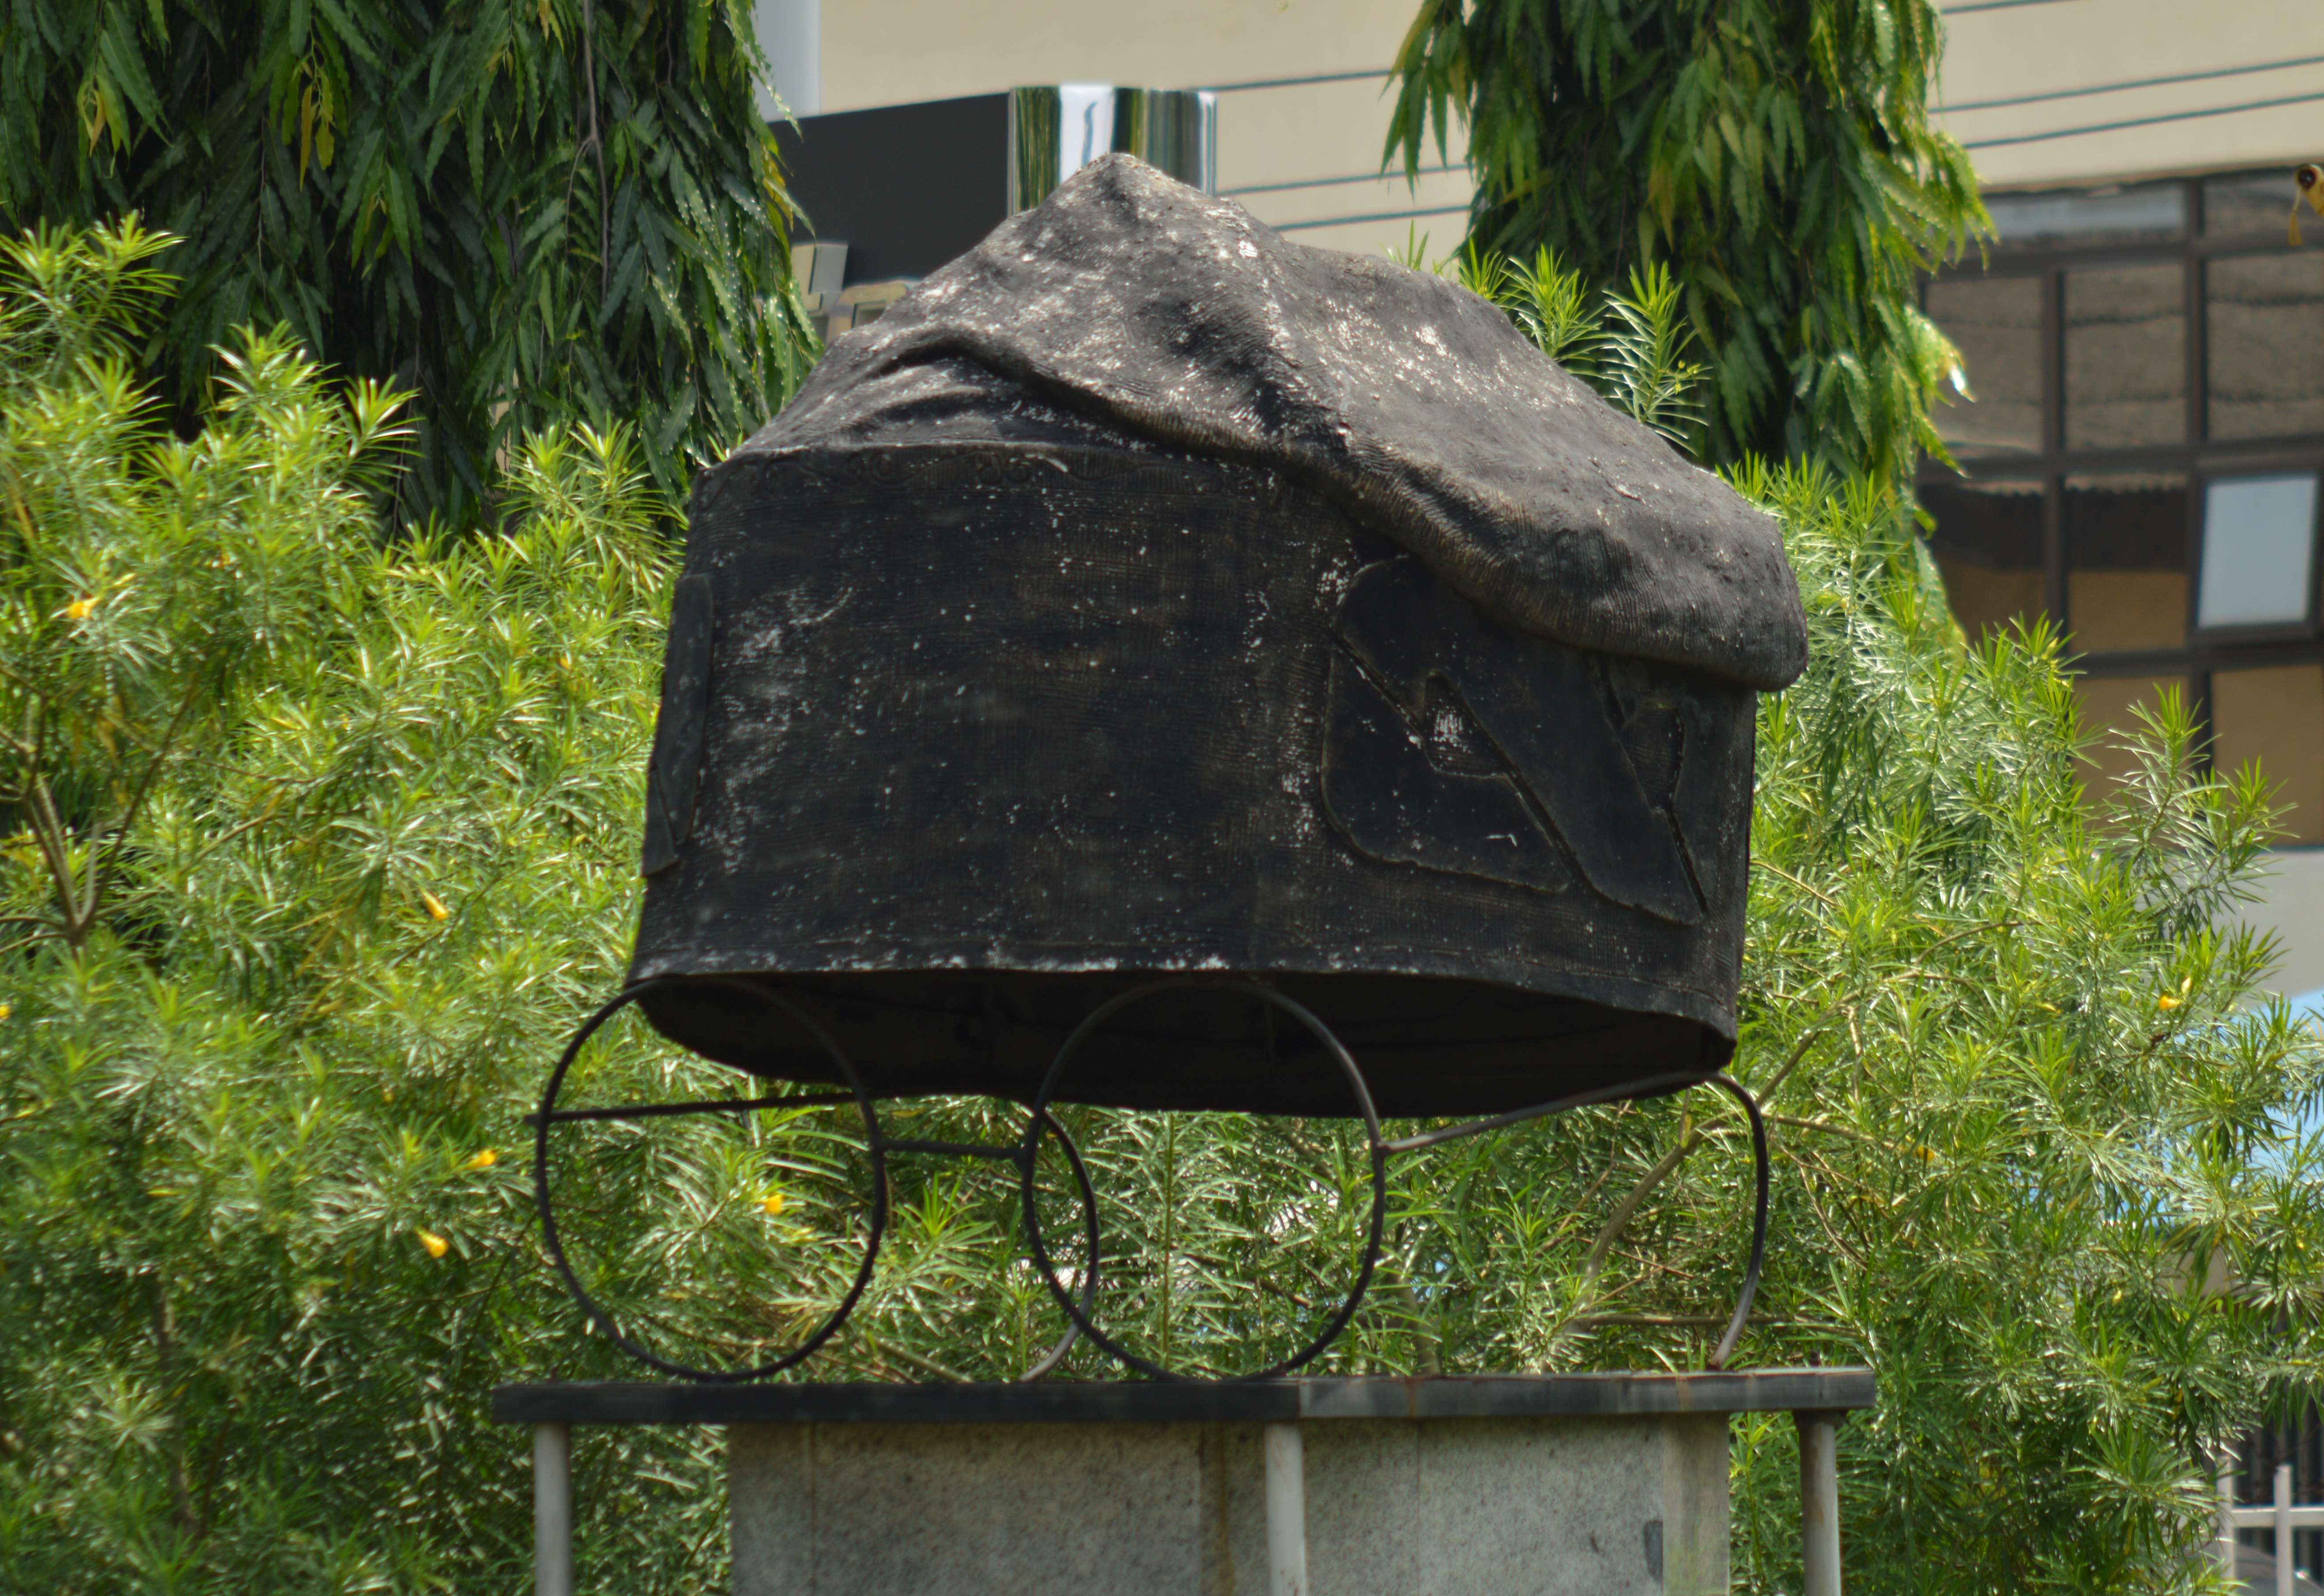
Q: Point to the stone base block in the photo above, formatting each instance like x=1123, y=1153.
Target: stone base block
x=1596, y=1506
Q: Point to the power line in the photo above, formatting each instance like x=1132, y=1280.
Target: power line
x=1379, y=177
x=2073, y=94
x=1445, y=210
x=1388, y=71
x=1292, y=82
x=2099, y=127
x=1994, y=6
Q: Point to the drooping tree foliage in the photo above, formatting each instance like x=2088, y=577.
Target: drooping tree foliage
x=1775, y=155
x=277, y=990
x=522, y=212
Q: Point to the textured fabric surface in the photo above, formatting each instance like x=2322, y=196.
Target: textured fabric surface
x=991, y=732
x=1147, y=307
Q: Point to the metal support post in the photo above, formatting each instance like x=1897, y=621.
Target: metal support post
x=1286, y=1511
x=1819, y=1503
x=2226, y=1547
x=2283, y=1529
x=552, y=1509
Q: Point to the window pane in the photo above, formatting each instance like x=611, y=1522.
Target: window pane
x=1988, y=541
x=1996, y=321
x=2267, y=344
x=2126, y=357
x=2252, y=204
x=2275, y=717
x=2258, y=545
x=2156, y=211
x=2127, y=562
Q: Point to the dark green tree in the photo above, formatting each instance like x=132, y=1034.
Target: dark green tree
x=1777, y=155
x=522, y=212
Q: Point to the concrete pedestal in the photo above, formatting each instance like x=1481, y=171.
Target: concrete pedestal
x=1529, y=1507
x=1591, y=1485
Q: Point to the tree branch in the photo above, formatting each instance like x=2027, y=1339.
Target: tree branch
x=1628, y=1205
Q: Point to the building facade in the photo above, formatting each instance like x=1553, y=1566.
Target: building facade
x=1303, y=87
x=2140, y=426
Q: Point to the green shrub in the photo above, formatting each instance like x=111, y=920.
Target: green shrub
x=315, y=848
x=2029, y=1128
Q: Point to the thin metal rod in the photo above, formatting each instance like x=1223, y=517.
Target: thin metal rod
x=1024, y=1153
x=1080, y=1170
x=552, y=1509
x=1039, y=1119
x=2226, y=1547
x=1743, y=1299
x=1819, y=1502
x=874, y=1147
x=1286, y=1511
x=1518, y=1116
x=2283, y=1571
x=564, y=1116
x=1651, y=1087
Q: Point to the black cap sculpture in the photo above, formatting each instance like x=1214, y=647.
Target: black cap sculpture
x=1148, y=593
x=1148, y=615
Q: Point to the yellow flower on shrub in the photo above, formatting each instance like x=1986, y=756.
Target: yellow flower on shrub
x=772, y=1203
x=436, y=1246
x=80, y=608
x=435, y=910
x=483, y=1160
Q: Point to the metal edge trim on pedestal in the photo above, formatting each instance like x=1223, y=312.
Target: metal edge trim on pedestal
x=1258, y=1401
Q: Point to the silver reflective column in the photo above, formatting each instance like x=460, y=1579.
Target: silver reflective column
x=1819, y=1503
x=1286, y=1511
x=1174, y=129
x=1057, y=129
x=552, y=1509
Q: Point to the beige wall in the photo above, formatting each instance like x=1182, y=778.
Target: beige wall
x=2291, y=906
x=2033, y=52
x=2274, y=717
x=2126, y=609
x=886, y=52
x=1302, y=156
x=874, y=52
x=1984, y=601
x=2015, y=52
x=1326, y=138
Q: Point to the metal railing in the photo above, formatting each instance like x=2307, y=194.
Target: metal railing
x=2279, y=1515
